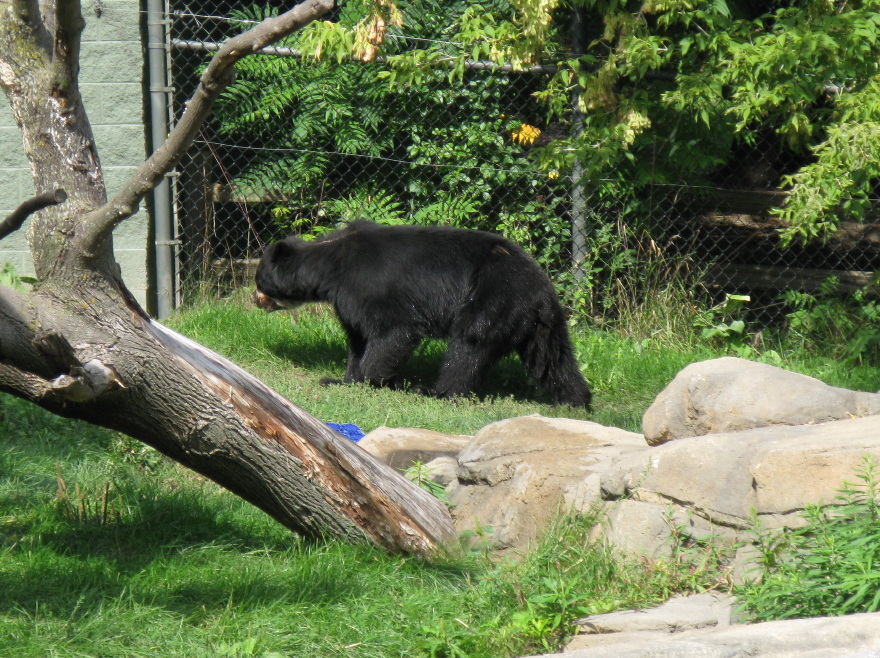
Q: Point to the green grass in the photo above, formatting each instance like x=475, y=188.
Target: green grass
x=173, y=565
x=292, y=351
x=167, y=563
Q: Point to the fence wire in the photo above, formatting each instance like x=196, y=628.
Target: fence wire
x=296, y=146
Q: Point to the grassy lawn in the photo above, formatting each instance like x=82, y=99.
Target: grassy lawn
x=292, y=351
x=108, y=549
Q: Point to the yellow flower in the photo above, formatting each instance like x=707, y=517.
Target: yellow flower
x=525, y=134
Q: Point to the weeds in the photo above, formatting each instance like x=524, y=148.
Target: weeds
x=829, y=567
x=81, y=506
x=568, y=576
x=422, y=475
x=817, y=321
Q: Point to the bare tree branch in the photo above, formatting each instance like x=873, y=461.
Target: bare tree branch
x=215, y=79
x=66, y=38
x=25, y=384
x=14, y=221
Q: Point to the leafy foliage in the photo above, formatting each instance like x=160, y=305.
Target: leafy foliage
x=384, y=116
x=665, y=90
x=453, y=153
x=845, y=327
x=421, y=474
x=9, y=277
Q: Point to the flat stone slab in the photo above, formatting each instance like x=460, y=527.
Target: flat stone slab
x=683, y=613
x=851, y=636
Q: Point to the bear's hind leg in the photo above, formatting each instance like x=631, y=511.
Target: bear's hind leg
x=464, y=366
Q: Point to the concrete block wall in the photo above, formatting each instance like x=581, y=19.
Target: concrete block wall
x=112, y=85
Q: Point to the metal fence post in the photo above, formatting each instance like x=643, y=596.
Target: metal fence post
x=578, y=196
x=163, y=225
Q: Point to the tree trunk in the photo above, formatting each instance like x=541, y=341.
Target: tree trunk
x=80, y=346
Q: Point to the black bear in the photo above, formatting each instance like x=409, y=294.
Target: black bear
x=392, y=286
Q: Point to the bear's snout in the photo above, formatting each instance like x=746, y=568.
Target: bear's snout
x=263, y=301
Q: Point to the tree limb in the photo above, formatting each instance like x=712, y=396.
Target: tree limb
x=66, y=39
x=14, y=221
x=22, y=383
x=217, y=76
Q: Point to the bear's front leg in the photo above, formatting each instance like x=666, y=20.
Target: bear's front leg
x=357, y=344
x=384, y=356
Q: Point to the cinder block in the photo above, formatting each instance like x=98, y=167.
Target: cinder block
x=6, y=118
x=111, y=61
x=131, y=233
x=12, y=152
x=119, y=20
x=120, y=145
x=133, y=264
x=114, y=103
x=11, y=189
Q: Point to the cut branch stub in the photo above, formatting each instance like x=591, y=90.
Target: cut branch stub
x=18, y=216
x=86, y=382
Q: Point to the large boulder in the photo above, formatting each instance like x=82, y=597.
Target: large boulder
x=716, y=484
x=729, y=394
x=516, y=475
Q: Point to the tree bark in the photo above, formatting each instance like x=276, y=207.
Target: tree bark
x=80, y=346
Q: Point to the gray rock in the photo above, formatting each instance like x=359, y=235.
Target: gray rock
x=714, y=484
x=729, y=394
x=402, y=447
x=518, y=474
x=751, y=440
x=683, y=613
x=849, y=636
x=443, y=470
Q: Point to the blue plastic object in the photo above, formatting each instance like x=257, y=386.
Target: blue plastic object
x=348, y=430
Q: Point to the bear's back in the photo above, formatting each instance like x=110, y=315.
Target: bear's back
x=431, y=243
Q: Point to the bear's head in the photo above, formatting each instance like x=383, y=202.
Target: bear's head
x=276, y=276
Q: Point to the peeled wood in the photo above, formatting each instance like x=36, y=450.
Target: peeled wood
x=386, y=506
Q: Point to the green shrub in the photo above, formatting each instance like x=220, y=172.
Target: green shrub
x=829, y=567
x=843, y=326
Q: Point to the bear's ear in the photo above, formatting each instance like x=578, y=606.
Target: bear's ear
x=280, y=251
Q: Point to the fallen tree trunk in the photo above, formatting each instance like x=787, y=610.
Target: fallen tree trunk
x=377, y=499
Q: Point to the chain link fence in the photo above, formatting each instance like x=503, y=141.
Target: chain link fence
x=296, y=146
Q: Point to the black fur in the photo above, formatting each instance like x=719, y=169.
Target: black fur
x=392, y=286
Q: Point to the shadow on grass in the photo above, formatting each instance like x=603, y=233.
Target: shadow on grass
x=178, y=555
x=506, y=378
x=315, y=354
x=175, y=552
